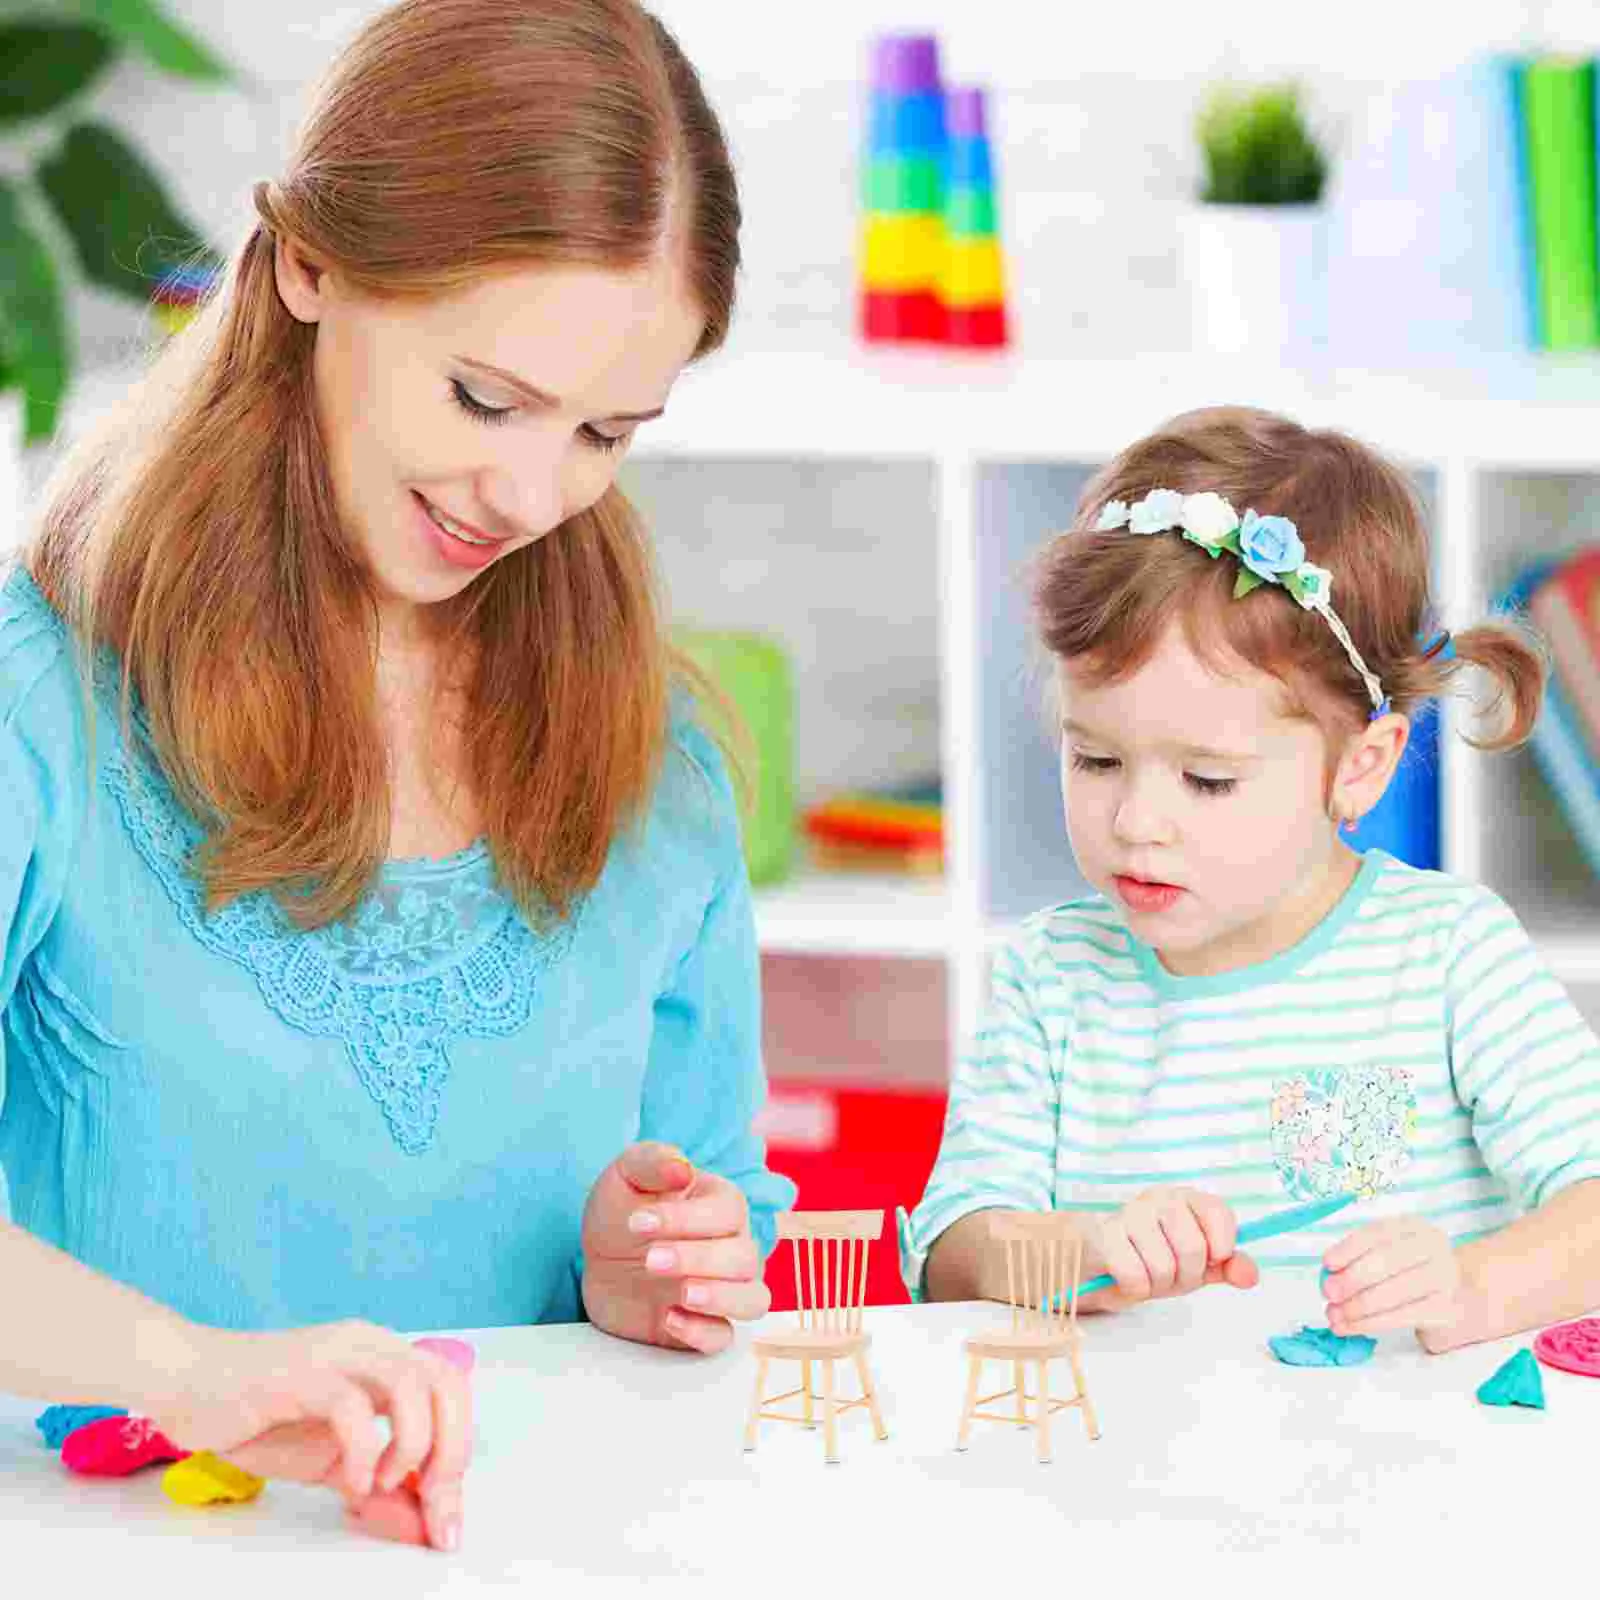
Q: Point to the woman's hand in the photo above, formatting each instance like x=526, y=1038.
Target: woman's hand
x=1169, y=1241
x=668, y=1256
x=1398, y=1273
x=303, y=1405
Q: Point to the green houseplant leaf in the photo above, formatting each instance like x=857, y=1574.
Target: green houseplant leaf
x=33, y=329
x=143, y=26
x=1258, y=150
x=44, y=64
x=128, y=235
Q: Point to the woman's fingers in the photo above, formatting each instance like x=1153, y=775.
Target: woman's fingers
x=409, y=1402
x=354, y=1421
x=735, y=1258
x=705, y=1334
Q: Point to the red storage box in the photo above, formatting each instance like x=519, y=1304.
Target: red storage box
x=851, y=1149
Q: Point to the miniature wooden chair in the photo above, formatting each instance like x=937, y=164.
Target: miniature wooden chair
x=830, y=1302
x=1044, y=1259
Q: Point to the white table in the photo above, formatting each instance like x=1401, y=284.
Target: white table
x=600, y=1464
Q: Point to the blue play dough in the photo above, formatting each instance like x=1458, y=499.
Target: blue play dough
x=1515, y=1383
x=56, y=1422
x=1322, y=1347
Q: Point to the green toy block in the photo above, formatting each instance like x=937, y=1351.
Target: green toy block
x=903, y=183
x=969, y=212
x=1515, y=1383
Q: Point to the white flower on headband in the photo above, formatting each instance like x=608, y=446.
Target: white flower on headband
x=1113, y=514
x=1314, y=588
x=1160, y=510
x=1208, y=519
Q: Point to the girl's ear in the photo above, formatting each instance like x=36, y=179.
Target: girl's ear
x=1367, y=765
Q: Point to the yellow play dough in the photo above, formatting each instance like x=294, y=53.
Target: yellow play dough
x=202, y=1479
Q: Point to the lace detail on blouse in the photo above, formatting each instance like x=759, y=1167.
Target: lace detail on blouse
x=432, y=952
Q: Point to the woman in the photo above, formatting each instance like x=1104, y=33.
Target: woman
x=377, y=942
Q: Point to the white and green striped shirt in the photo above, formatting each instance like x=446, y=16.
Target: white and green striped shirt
x=1097, y=1073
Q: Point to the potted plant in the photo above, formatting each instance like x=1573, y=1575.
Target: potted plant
x=76, y=199
x=1254, y=247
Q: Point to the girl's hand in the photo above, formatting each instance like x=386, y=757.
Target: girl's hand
x=1398, y=1273
x=303, y=1405
x=1169, y=1241
x=668, y=1256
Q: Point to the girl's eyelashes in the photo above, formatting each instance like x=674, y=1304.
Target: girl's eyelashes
x=1201, y=785
x=1086, y=763
x=495, y=415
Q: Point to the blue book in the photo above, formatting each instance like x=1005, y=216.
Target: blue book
x=1563, y=757
x=1516, y=206
x=1405, y=822
x=1558, y=742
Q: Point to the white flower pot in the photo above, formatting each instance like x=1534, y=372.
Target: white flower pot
x=11, y=471
x=1257, y=278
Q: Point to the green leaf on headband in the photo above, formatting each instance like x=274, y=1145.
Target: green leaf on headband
x=1245, y=582
x=1291, y=582
x=1230, y=541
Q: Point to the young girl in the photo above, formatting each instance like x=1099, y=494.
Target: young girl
x=1236, y=623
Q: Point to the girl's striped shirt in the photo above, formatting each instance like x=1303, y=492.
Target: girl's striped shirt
x=1098, y=1074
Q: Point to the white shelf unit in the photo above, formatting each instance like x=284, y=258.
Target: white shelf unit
x=992, y=454
x=872, y=508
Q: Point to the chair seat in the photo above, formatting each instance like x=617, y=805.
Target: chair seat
x=1003, y=1345
x=809, y=1344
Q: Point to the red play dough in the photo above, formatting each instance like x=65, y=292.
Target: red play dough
x=1571, y=1347
x=112, y=1447
x=396, y=1516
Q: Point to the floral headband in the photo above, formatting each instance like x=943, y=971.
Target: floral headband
x=1268, y=548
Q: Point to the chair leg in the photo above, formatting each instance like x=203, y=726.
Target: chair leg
x=1089, y=1420
x=755, y=1405
x=1044, y=1410
x=830, y=1431
x=1019, y=1376
x=870, y=1394
x=974, y=1373
x=805, y=1380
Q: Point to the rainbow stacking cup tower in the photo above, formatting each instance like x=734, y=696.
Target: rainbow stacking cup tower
x=972, y=282
x=902, y=233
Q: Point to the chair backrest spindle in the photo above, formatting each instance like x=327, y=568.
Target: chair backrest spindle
x=832, y=1293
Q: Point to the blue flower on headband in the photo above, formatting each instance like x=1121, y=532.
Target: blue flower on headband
x=1270, y=546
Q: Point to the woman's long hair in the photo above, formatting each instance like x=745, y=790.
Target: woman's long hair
x=196, y=534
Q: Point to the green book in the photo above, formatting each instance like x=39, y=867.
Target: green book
x=1558, y=105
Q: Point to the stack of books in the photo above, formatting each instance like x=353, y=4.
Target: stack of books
x=1563, y=601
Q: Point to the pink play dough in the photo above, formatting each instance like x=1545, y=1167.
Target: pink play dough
x=115, y=1446
x=1571, y=1347
x=456, y=1351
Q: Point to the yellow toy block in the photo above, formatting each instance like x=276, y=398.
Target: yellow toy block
x=903, y=251
x=973, y=274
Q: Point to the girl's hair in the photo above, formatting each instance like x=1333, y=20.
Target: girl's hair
x=1103, y=600
x=196, y=533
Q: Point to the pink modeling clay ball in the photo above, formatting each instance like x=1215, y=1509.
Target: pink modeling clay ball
x=1571, y=1347
x=456, y=1351
x=115, y=1446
